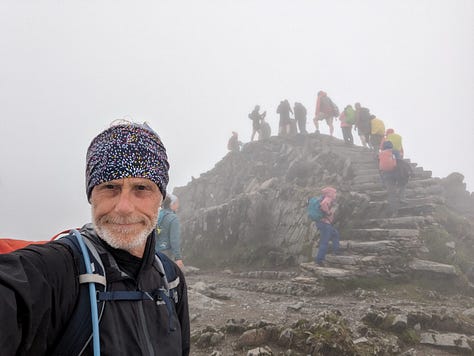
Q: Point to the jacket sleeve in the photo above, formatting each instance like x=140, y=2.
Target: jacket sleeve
x=182, y=309
x=38, y=289
x=175, y=238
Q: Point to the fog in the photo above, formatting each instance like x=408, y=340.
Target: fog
x=195, y=69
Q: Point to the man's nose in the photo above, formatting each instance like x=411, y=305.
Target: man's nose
x=124, y=204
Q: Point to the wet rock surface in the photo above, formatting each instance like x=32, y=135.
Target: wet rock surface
x=299, y=320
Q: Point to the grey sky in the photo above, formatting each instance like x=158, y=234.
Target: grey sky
x=195, y=69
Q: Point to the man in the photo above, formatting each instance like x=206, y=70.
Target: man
x=300, y=116
x=265, y=130
x=325, y=110
x=326, y=230
x=126, y=178
x=284, y=110
x=169, y=236
x=234, y=144
x=377, y=132
x=362, y=123
x=256, y=117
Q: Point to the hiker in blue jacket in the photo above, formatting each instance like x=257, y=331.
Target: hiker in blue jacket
x=40, y=285
x=168, y=229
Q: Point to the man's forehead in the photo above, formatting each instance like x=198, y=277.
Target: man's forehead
x=130, y=181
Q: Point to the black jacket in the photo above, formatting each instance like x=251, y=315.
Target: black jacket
x=39, y=288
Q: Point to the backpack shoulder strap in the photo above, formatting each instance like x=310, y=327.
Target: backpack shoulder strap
x=78, y=332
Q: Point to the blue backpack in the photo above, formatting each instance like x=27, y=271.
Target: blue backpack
x=314, y=208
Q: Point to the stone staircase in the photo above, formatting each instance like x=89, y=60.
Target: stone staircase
x=386, y=246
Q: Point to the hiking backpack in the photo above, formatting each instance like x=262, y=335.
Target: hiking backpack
x=387, y=161
x=314, y=208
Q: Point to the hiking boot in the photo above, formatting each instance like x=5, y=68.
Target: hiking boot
x=321, y=263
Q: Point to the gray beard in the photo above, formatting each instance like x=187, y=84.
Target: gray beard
x=117, y=242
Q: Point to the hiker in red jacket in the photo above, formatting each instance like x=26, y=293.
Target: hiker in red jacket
x=325, y=110
x=326, y=230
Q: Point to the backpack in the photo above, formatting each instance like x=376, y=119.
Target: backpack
x=83, y=325
x=404, y=172
x=314, y=208
x=387, y=161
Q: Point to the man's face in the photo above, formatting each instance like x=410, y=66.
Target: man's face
x=125, y=211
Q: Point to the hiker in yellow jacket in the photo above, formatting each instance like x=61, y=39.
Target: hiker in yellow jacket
x=377, y=131
x=395, y=139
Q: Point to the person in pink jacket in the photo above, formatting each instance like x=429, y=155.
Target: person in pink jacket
x=326, y=230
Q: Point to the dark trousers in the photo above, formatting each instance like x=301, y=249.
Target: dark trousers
x=347, y=134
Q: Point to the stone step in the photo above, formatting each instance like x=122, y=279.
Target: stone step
x=405, y=209
x=432, y=268
x=410, y=193
x=420, y=183
x=383, y=234
x=368, y=247
x=327, y=272
x=405, y=222
x=417, y=171
x=450, y=342
x=375, y=177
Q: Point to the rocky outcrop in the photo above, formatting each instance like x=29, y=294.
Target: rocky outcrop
x=250, y=210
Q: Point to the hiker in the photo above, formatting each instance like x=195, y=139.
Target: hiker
x=395, y=173
x=347, y=119
x=256, y=117
x=396, y=140
x=168, y=230
x=325, y=110
x=326, y=229
x=265, y=130
x=300, y=116
x=284, y=109
x=126, y=178
x=362, y=124
x=234, y=144
x=377, y=132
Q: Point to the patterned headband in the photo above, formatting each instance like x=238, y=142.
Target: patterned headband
x=126, y=151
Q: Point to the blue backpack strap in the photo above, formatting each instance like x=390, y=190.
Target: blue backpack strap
x=78, y=332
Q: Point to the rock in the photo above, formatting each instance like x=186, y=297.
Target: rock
x=286, y=337
x=399, y=323
x=361, y=340
x=216, y=353
x=188, y=270
x=432, y=267
x=453, y=341
x=469, y=313
x=252, y=337
x=295, y=307
x=260, y=351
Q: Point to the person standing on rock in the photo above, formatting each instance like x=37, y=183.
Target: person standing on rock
x=234, y=144
x=284, y=110
x=390, y=167
x=362, y=123
x=395, y=139
x=168, y=230
x=265, y=130
x=300, y=116
x=377, y=132
x=256, y=118
x=325, y=110
x=326, y=230
x=347, y=119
